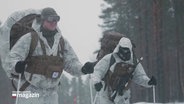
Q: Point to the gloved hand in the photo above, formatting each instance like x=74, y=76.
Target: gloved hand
x=88, y=67
x=20, y=66
x=152, y=81
x=98, y=86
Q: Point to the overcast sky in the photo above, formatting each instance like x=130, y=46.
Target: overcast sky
x=79, y=21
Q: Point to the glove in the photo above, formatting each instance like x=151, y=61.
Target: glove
x=20, y=66
x=152, y=81
x=88, y=67
x=98, y=86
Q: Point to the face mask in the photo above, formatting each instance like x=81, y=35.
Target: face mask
x=124, y=53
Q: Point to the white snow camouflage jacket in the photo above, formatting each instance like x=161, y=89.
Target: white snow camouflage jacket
x=139, y=75
x=20, y=51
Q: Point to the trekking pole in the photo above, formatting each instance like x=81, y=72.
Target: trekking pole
x=18, y=86
x=97, y=93
x=153, y=94
x=91, y=90
x=99, y=98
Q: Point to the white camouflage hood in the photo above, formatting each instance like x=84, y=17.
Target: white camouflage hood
x=124, y=42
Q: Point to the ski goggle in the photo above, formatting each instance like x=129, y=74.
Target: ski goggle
x=53, y=19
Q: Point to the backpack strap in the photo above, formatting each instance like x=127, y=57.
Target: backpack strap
x=112, y=61
x=62, y=44
x=43, y=47
x=135, y=63
x=34, y=42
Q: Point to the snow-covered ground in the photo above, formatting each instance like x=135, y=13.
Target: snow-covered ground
x=158, y=103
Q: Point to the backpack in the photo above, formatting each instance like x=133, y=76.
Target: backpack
x=17, y=24
x=108, y=43
x=21, y=27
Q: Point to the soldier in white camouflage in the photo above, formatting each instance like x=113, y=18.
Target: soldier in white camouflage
x=41, y=68
x=114, y=73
